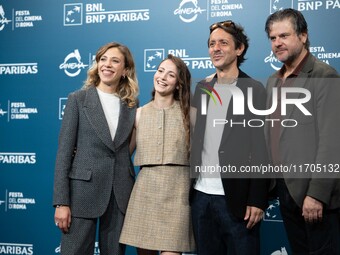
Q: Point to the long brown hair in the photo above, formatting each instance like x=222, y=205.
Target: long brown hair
x=128, y=86
x=182, y=94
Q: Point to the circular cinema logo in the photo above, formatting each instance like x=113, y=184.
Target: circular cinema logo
x=72, y=64
x=188, y=10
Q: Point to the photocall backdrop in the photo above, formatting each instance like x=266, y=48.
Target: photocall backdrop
x=46, y=48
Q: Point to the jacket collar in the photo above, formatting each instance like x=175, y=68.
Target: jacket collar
x=95, y=114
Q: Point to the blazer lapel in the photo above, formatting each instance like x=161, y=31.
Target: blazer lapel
x=95, y=114
x=125, y=124
x=229, y=116
x=241, y=84
x=227, y=128
x=202, y=118
x=299, y=82
x=272, y=81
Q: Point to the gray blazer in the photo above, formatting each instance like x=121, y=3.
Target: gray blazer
x=316, y=138
x=89, y=165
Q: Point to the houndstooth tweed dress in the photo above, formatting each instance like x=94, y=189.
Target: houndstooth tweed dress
x=158, y=214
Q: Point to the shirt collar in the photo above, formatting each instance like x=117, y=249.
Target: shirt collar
x=297, y=70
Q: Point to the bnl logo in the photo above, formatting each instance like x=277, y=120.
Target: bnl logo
x=73, y=14
x=62, y=105
x=272, y=212
x=276, y=5
x=152, y=59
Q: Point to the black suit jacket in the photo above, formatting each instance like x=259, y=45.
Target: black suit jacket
x=241, y=145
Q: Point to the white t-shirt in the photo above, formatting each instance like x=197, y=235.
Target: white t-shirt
x=209, y=180
x=111, y=107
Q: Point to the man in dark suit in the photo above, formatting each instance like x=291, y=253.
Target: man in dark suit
x=309, y=195
x=227, y=207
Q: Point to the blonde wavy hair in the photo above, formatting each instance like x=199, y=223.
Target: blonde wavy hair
x=128, y=86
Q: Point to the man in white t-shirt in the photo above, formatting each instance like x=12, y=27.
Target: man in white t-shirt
x=226, y=207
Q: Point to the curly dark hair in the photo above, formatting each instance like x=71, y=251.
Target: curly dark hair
x=238, y=34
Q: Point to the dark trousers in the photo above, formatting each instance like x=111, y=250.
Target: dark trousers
x=217, y=231
x=80, y=240
x=320, y=238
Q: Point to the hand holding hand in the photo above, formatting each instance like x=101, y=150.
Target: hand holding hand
x=312, y=210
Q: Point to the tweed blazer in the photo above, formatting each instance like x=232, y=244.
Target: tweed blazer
x=316, y=139
x=239, y=146
x=89, y=164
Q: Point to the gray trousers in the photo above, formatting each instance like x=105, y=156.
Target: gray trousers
x=80, y=240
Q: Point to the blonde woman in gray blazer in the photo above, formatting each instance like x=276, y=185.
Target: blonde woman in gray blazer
x=94, y=175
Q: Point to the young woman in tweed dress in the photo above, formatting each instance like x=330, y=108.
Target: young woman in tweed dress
x=158, y=215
